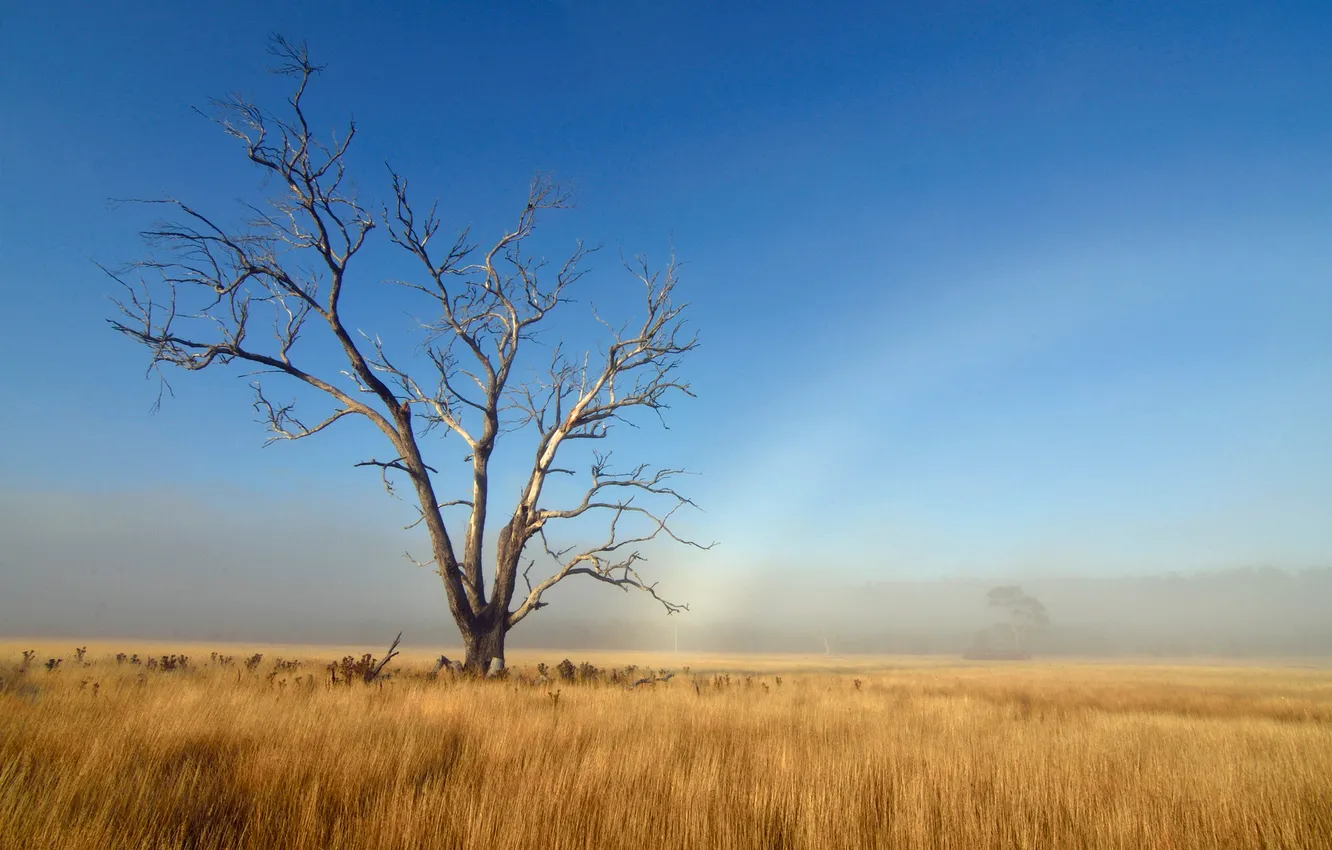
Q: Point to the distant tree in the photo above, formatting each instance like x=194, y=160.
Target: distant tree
x=1024, y=612
x=216, y=295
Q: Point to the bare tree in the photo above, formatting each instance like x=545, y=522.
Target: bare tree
x=210, y=295
x=1024, y=612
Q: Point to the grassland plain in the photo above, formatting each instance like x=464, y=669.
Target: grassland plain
x=735, y=752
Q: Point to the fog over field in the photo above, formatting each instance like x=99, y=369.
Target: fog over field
x=156, y=567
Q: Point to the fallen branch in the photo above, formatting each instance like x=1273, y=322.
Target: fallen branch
x=392, y=651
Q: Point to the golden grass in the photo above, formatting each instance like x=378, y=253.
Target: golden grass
x=919, y=754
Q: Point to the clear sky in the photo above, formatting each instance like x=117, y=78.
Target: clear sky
x=984, y=289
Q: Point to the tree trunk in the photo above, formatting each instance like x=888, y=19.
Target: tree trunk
x=483, y=645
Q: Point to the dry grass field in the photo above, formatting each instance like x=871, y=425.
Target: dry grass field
x=785, y=752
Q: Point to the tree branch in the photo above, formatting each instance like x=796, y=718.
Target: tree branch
x=612, y=561
x=217, y=279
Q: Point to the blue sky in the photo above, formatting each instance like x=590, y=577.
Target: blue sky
x=984, y=289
